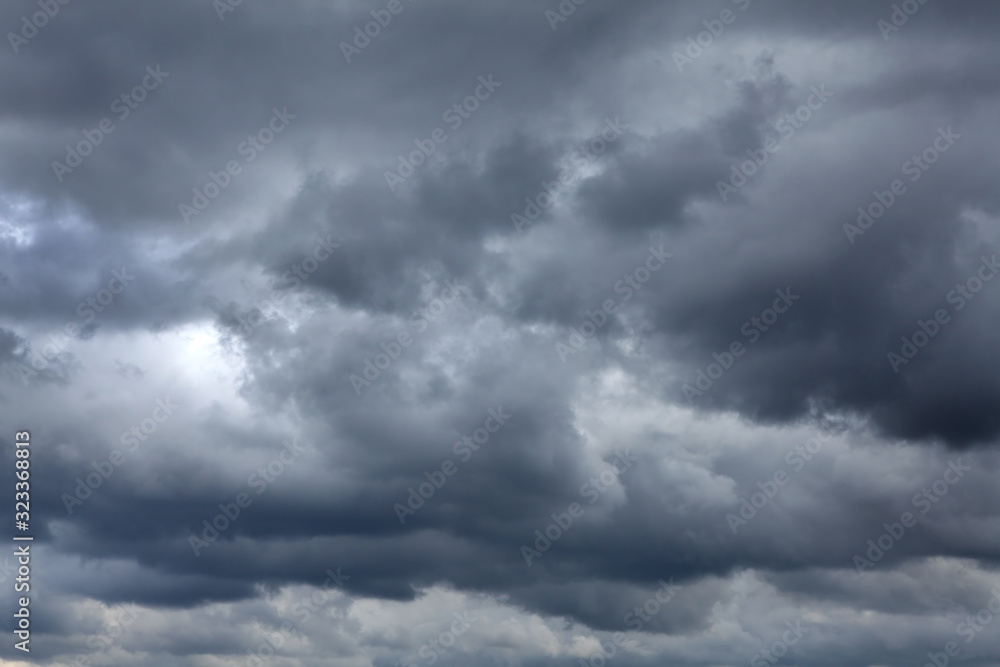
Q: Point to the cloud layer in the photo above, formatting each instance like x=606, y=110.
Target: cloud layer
x=522, y=334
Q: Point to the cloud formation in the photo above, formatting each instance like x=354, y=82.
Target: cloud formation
x=527, y=334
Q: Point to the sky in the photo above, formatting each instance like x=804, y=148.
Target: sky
x=535, y=333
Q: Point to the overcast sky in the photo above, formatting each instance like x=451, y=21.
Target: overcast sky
x=519, y=333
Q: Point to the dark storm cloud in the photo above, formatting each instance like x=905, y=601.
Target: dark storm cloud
x=260, y=339
x=856, y=302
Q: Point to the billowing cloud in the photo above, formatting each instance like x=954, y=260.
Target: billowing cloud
x=529, y=334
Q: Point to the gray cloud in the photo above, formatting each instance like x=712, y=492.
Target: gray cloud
x=377, y=327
